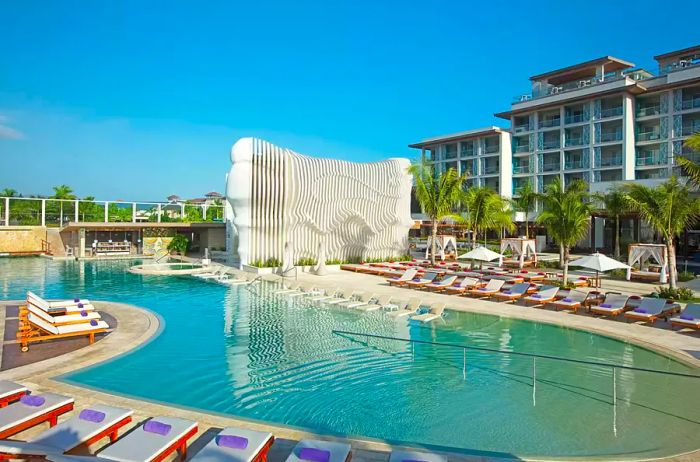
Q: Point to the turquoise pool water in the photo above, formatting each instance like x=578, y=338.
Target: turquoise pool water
x=227, y=350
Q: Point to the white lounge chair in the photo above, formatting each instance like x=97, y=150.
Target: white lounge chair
x=31, y=410
x=343, y=297
x=215, y=274
x=57, y=305
x=689, y=317
x=613, y=305
x=491, y=288
x=409, y=308
x=516, y=292
x=362, y=299
x=442, y=285
x=11, y=392
x=325, y=295
x=649, y=310
x=412, y=456
x=427, y=278
x=85, y=428
x=36, y=329
x=542, y=297
x=288, y=290
x=435, y=312
x=234, y=444
x=62, y=320
x=374, y=304
x=408, y=275
x=320, y=451
x=464, y=285
x=573, y=301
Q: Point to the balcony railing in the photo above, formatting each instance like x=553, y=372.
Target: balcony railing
x=573, y=141
x=551, y=144
x=691, y=129
x=615, y=135
x=690, y=103
x=522, y=128
x=575, y=118
x=555, y=122
x=451, y=155
x=649, y=159
x=649, y=135
x=574, y=164
x=569, y=86
x=610, y=112
x=491, y=149
x=467, y=152
x=551, y=166
x=521, y=169
x=611, y=161
x=521, y=148
x=648, y=110
x=490, y=169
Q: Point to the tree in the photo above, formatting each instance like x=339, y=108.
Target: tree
x=566, y=216
x=669, y=209
x=525, y=202
x=8, y=192
x=691, y=168
x=179, y=244
x=615, y=204
x=438, y=194
x=485, y=210
x=64, y=192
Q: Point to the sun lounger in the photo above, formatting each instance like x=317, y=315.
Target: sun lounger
x=60, y=320
x=442, y=285
x=375, y=303
x=464, y=285
x=11, y=392
x=408, y=275
x=493, y=286
x=531, y=277
x=363, y=299
x=543, y=296
x=62, y=305
x=87, y=427
x=404, y=456
x=410, y=308
x=354, y=267
x=324, y=295
x=216, y=274
x=646, y=276
x=304, y=290
x=320, y=451
x=32, y=410
x=613, y=305
x=573, y=301
x=435, y=312
x=35, y=329
x=514, y=293
x=234, y=444
x=343, y=297
x=425, y=280
x=650, y=309
x=689, y=317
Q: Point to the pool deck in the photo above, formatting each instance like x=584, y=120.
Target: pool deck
x=136, y=326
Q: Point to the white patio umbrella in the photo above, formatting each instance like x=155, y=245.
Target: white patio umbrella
x=482, y=254
x=599, y=263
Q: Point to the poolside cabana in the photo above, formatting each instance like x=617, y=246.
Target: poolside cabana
x=524, y=253
x=442, y=242
x=640, y=254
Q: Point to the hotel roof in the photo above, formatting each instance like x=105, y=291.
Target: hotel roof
x=583, y=70
x=694, y=50
x=459, y=136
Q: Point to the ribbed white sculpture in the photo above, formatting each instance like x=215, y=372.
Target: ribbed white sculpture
x=279, y=196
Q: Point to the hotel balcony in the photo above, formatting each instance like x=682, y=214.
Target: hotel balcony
x=466, y=149
x=520, y=148
x=490, y=169
x=573, y=141
x=575, y=119
x=576, y=159
x=649, y=135
x=550, y=123
x=522, y=168
x=523, y=124
x=551, y=166
x=645, y=158
x=645, y=111
x=651, y=174
x=606, y=113
x=614, y=160
x=610, y=136
x=691, y=103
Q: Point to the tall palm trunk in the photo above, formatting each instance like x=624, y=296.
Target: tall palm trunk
x=434, y=239
x=527, y=226
x=566, y=265
x=617, y=237
x=561, y=255
x=672, y=271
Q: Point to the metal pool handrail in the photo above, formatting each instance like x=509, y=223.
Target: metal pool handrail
x=518, y=353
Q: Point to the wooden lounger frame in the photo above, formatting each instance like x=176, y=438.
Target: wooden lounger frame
x=262, y=455
x=9, y=399
x=31, y=333
x=179, y=445
x=51, y=417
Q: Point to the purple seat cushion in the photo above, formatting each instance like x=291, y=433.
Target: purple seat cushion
x=232, y=441
x=567, y=300
x=507, y=292
x=687, y=317
x=76, y=300
x=153, y=426
x=605, y=305
x=32, y=400
x=83, y=313
x=536, y=296
x=91, y=415
x=80, y=305
x=314, y=455
x=640, y=310
x=93, y=323
x=483, y=289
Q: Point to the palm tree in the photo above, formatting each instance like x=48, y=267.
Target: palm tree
x=525, y=202
x=63, y=192
x=615, y=204
x=691, y=168
x=438, y=194
x=8, y=192
x=485, y=210
x=669, y=209
x=566, y=216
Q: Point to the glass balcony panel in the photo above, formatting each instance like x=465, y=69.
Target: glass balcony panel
x=690, y=129
x=550, y=166
x=610, y=112
x=611, y=161
x=554, y=122
x=521, y=168
x=551, y=144
x=574, y=141
x=649, y=135
x=575, y=118
x=607, y=136
x=649, y=110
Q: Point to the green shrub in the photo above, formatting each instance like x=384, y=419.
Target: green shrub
x=306, y=261
x=334, y=261
x=685, y=276
x=618, y=273
x=179, y=244
x=272, y=263
x=679, y=293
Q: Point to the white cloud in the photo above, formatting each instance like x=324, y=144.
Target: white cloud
x=7, y=132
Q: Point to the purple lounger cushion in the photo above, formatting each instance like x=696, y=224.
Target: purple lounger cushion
x=232, y=441
x=76, y=300
x=153, y=426
x=93, y=323
x=80, y=305
x=567, y=300
x=483, y=289
x=536, y=296
x=605, y=305
x=91, y=415
x=314, y=455
x=83, y=313
x=507, y=292
x=32, y=400
x=640, y=310
x=687, y=317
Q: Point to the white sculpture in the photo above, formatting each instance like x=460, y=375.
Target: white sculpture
x=360, y=210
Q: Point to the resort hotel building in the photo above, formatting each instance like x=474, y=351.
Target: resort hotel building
x=603, y=121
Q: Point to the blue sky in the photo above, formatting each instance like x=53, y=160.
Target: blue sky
x=139, y=100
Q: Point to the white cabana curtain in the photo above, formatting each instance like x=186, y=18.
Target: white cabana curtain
x=441, y=242
x=520, y=247
x=640, y=253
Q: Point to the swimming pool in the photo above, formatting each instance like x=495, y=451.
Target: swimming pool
x=227, y=350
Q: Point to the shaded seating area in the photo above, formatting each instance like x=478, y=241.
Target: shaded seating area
x=639, y=258
x=523, y=251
